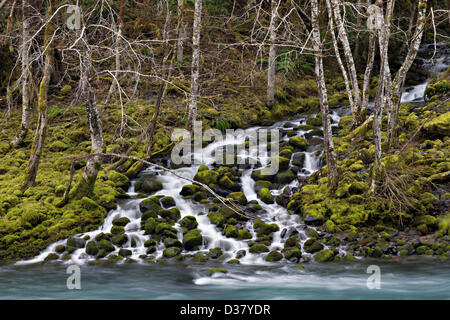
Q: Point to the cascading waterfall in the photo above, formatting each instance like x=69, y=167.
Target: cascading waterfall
x=212, y=237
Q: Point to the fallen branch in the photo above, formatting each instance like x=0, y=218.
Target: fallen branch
x=229, y=203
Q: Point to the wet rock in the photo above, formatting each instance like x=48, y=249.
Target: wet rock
x=125, y=253
x=215, y=253
x=168, y=202
x=259, y=248
x=76, y=242
x=298, y=159
x=265, y=196
x=169, y=242
x=298, y=143
x=283, y=233
x=121, y=222
x=274, y=256
x=148, y=185
x=171, y=252
x=241, y=254
x=292, y=254
x=188, y=223
x=312, y=246
x=92, y=248
x=120, y=239
x=192, y=239
x=325, y=255
x=260, y=184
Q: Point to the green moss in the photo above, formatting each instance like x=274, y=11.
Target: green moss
x=239, y=197
x=148, y=185
x=265, y=195
x=299, y=143
x=264, y=229
x=188, y=223
x=273, y=256
x=292, y=253
x=258, y=248
x=226, y=182
x=325, y=255
x=192, y=239
x=312, y=246
x=244, y=234
x=211, y=272
x=208, y=177
x=216, y=218
x=171, y=252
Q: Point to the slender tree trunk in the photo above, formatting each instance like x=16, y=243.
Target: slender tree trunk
x=114, y=85
x=400, y=77
x=195, y=64
x=25, y=53
x=41, y=130
x=320, y=79
x=272, y=54
x=380, y=97
x=180, y=30
x=86, y=185
x=369, y=68
x=357, y=112
x=338, y=57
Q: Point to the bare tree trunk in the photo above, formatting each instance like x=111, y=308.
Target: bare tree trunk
x=114, y=85
x=357, y=112
x=338, y=57
x=400, y=77
x=181, y=31
x=272, y=54
x=380, y=97
x=320, y=79
x=86, y=185
x=369, y=68
x=25, y=53
x=41, y=130
x=195, y=63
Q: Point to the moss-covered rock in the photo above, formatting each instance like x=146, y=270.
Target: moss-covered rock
x=216, y=218
x=264, y=229
x=231, y=232
x=258, y=248
x=226, y=182
x=273, y=256
x=208, y=177
x=265, y=196
x=292, y=253
x=260, y=184
x=168, y=202
x=171, y=252
x=239, y=197
x=121, y=222
x=192, y=239
x=215, y=253
x=148, y=185
x=188, y=223
x=298, y=143
x=92, y=248
x=244, y=234
x=312, y=246
x=105, y=245
x=325, y=255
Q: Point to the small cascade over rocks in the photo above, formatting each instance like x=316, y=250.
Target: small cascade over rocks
x=175, y=220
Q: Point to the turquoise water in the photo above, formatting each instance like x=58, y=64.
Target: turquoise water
x=418, y=278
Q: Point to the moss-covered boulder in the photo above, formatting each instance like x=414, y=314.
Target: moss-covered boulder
x=298, y=143
x=264, y=229
x=168, y=202
x=148, y=185
x=121, y=222
x=231, y=232
x=239, y=197
x=298, y=159
x=244, y=234
x=150, y=205
x=105, y=245
x=258, y=248
x=188, y=223
x=120, y=239
x=171, y=252
x=215, y=253
x=226, y=183
x=211, y=272
x=265, y=196
x=208, y=177
x=92, y=248
x=325, y=255
x=440, y=125
x=273, y=256
x=171, y=215
x=285, y=177
x=76, y=242
x=190, y=189
x=292, y=253
x=260, y=184
x=192, y=239
x=170, y=242
x=312, y=246
x=216, y=218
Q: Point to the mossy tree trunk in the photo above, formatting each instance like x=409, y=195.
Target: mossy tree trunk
x=381, y=91
x=25, y=60
x=41, y=130
x=180, y=31
x=320, y=80
x=85, y=186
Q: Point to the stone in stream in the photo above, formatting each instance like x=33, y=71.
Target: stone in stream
x=298, y=159
x=76, y=242
x=148, y=185
x=121, y=222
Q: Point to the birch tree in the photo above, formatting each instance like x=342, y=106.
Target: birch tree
x=26, y=61
x=272, y=53
x=320, y=80
x=195, y=67
x=400, y=77
x=42, y=107
x=180, y=30
x=380, y=96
